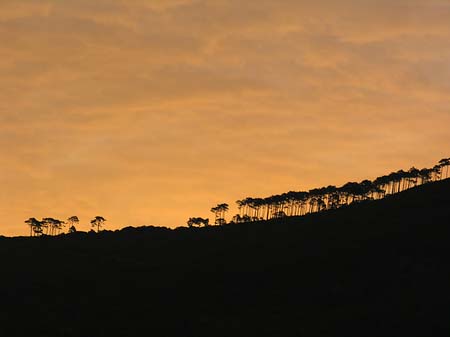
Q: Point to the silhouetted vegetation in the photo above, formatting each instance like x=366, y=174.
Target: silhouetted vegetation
x=373, y=268
x=300, y=203
x=35, y=226
x=72, y=221
x=51, y=226
x=47, y=226
x=98, y=222
x=219, y=213
x=197, y=222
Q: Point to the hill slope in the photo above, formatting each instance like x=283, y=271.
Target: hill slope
x=372, y=269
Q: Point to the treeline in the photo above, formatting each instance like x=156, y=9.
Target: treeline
x=300, y=203
x=51, y=226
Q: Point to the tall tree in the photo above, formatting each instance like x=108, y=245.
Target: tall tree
x=48, y=225
x=320, y=199
x=58, y=226
x=52, y=225
x=413, y=175
x=73, y=221
x=445, y=162
x=35, y=226
x=425, y=175
x=219, y=213
x=98, y=222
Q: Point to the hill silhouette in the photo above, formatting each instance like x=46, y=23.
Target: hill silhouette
x=377, y=268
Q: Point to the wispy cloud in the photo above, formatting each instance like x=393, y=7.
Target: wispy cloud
x=149, y=112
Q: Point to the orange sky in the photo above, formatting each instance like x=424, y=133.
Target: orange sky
x=151, y=113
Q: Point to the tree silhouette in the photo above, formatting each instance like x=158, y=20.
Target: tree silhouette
x=445, y=162
x=58, y=225
x=98, y=222
x=197, y=222
x=320, y=199
x=425, y=175
x=279, y=214
x=413, y=175
x=219, y=213
x=35, y=226
x=437, y=172
x=53, y=226
x=292, y=203
x=236, y=218
x=72, y=222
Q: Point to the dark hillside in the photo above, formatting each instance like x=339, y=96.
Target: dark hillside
x=376, y=268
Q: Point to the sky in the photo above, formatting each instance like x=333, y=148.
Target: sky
x=151, y=112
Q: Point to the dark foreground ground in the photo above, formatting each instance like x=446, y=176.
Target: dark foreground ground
x=375, y=269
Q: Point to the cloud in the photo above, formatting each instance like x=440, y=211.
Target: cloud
x=152, y=111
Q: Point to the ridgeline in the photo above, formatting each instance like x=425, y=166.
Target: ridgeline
x=374, y=268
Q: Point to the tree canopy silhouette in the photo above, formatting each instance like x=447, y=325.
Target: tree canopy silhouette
x=219, y=213
x=73, y=221
x=292, y=203
x=35, y=226
x=197, y=222
x=98, y=222
x=299, y=203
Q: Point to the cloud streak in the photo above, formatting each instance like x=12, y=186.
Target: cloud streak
x=150, y=113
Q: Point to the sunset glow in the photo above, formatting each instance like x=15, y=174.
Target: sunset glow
x=150, y=112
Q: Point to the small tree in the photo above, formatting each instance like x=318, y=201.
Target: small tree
x=72, y=229
x=237, y=218
x=197, y=222
x=98, y=222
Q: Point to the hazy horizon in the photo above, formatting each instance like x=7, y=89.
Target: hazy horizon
x=153, y=113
